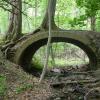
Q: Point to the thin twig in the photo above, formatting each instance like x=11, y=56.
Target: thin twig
x=6, y=9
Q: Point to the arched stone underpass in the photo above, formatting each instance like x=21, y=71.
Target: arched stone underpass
x=24, y=50
x=62, y=56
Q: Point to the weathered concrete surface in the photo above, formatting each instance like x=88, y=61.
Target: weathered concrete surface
x=88, y=41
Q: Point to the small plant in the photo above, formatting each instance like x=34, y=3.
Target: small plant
x=23, y=88
x=3, y=85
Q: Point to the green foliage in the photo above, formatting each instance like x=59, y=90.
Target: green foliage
x=64, y=13
x=3, y=21
x=3, y=85
x=98, y=25
x=35, y=13
x=98, y=22
x=78, y=21
x=63, y=53
x=70, y=62
x=70, y=14
x=91, y=6
x=36, y=63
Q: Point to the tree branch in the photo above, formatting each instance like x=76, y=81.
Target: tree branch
x=17, y=9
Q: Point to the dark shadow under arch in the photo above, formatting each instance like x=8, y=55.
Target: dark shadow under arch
x=26, y=57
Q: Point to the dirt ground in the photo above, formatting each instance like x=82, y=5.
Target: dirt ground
x=59, y=84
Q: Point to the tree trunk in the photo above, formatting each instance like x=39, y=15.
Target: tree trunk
x=45, y=20
x=49, y=41
x=15, y=23
x=36, y=8
x=93, y=22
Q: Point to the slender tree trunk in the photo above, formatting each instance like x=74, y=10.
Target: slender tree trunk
x=15, y=23
x=44, y=25
x=48, y=43
x=93, y=23
x=52, y=11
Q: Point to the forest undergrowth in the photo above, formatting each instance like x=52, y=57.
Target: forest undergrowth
x=59, y=84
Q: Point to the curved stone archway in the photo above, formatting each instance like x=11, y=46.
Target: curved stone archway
x=25, y=49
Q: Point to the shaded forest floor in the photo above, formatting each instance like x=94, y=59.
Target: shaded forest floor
x=59, y=84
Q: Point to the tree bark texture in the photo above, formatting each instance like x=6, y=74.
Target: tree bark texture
x=15, y=23
x=44, y=24
x=48, y=42
x=93, y=23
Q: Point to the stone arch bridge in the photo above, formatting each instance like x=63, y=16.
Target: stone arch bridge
x=21, y=53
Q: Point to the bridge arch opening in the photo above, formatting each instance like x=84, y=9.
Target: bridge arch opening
x=62, y=55
x=27, y=55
